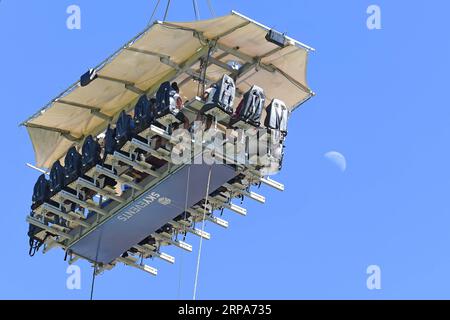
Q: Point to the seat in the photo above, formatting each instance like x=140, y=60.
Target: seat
x=41, y=192
x=124, y=129
x=143, y=113
x=277, y=115
x=248, y=113
x=90, y=154
x=167, y=98
x=110, y=144
x=219, y=100
x=72, y=166
x=57, y=177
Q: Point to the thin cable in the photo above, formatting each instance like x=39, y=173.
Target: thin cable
x=153, y=13
x=167, y=10
x=211, y=8
x=93, y=280
x=185, y=214
x=95, y=264
x=201, y=238
x=196, y=12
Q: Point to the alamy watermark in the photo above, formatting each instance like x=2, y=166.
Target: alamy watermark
x=374, y=20
x=255, y=147
x=73, y=21
x=374, y=279
x=73, y=281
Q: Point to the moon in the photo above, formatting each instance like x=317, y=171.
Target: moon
x=337, y=158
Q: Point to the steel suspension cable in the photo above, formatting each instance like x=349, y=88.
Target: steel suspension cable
x=185, y=215
x=196, y=12
x=201, y=238
x=167, y=10
x=211, y=8
x=153, y=13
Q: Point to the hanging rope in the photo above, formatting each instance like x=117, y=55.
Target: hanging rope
x=201, y=238
x=185, y=215
x=197, y=14
x=167, y=10
x=211, y=8
x=153, y=13
x=93, y=280
x=94, y=273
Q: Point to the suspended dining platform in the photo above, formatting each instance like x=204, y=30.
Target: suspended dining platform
x=124, y=206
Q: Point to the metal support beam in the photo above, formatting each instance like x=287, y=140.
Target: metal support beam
x=138, y=165
x=192, y=73
x=65, y=133
x=271, y=52
x=87, y=184
x=251, y=194
x=39, y=224
x=104, y=171
x=235, y=52
x=49, y=208
x=202, y=234
x=128, y=84
x=221, y=64
x=177, y=243
x=235, y=208
x=272, y=68
x=92, y=207
x=272, y=183
x=94, y=110
x=230, y=31
x=132, y=263
x=199, y=213
x=163, y=256
x=147, y=52
x=143, y=146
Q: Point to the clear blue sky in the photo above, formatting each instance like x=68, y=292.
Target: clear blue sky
x=381, y=98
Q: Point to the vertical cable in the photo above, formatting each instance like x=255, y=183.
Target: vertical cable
x=153, y=13
x=95, y=264
x=197, y=14
x=211, y=8
x=201, y=238
x=93, y=280
x=185, y=214
x=167, y=10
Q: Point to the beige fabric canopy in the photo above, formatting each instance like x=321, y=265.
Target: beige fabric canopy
x=170, y=51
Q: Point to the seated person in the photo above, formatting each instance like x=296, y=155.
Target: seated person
x=169, y=100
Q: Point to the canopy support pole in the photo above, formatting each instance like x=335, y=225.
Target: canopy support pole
x=128, y=84
x=66, y=134
x=94, y=110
